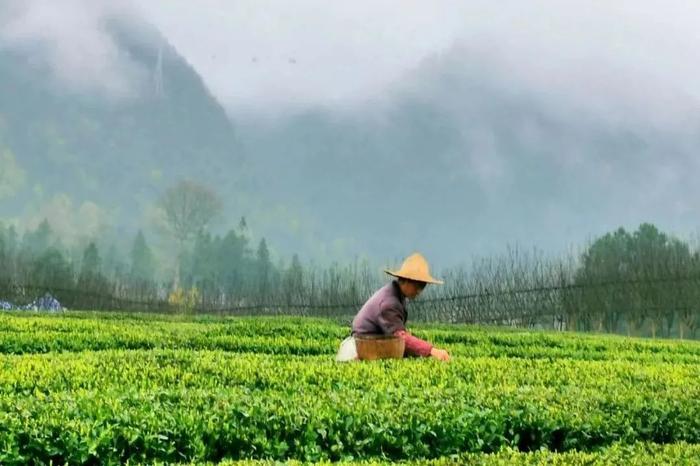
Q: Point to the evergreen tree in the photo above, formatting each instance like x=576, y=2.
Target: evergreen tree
x=621, y=276
x=3, y=243
x=90, y=266
x=92, y=284
x=142, y=260
x=243, y=227
x=36, y=242
x=263, y=271
x=52, y=271
x=202, y=271
x=113, y=267
x=8, y=257
x=294, y=281
x=233, y=262
x=11, y=241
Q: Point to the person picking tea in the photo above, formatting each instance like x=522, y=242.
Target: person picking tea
x=385, y=311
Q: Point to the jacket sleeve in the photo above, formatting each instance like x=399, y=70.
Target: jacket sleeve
x=390, y=318
x=414, y=345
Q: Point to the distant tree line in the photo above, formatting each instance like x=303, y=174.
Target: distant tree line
x=218, y=273
x=643, y=282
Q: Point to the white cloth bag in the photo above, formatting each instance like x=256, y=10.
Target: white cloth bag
x=347, y=350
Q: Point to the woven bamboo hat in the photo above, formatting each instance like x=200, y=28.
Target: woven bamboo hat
x=416, y=268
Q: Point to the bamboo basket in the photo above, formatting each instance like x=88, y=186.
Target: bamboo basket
x=371, y=347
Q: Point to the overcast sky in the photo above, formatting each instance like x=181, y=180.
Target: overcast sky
x=613, y=57
x=617, y=58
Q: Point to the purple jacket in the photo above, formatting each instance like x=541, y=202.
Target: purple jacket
x=383, y=313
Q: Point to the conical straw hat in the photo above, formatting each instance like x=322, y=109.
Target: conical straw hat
x=415, y=267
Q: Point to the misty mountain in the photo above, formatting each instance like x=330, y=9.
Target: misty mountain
x=459, y=160
x=117, y=152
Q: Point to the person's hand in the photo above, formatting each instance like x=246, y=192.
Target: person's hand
x=440, y=354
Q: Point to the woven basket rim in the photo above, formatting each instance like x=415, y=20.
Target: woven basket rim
x=376, y=337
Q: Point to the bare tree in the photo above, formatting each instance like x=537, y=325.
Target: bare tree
x=189, y=208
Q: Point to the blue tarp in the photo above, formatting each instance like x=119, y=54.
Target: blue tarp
x=45, y=303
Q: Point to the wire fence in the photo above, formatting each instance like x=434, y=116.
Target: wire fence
x=668, y=304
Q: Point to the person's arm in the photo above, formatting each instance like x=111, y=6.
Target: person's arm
x=391, y=322
x=414, y=345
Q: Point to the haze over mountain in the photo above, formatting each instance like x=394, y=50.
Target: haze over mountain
x=461, y=153
x=99, y=152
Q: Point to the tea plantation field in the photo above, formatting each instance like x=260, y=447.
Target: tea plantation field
x=96, y=388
